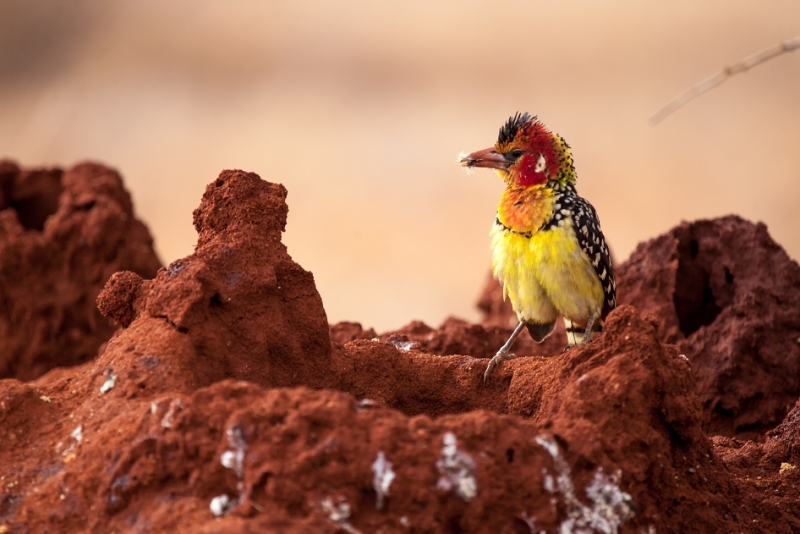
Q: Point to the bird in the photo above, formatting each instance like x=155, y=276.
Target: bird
x=548, y=250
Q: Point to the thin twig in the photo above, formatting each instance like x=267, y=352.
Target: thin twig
x=724, y=74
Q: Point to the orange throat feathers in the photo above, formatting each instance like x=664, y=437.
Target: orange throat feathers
x=524, y=210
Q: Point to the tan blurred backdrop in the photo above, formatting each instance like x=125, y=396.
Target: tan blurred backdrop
x=360, y=109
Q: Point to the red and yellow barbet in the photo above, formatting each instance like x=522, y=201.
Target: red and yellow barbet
x=547, y=247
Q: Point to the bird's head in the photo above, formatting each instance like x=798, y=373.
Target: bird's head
x=526, y=154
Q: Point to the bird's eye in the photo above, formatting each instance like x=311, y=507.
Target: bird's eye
x=516, y=153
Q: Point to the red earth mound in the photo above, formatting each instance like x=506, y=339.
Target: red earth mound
x=239, y=304
x=225, y=403
x=728, y=296
x=62, y=235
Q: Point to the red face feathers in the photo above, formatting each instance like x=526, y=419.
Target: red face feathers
x=526, y=153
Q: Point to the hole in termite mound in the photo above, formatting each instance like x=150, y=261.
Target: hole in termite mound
x=34, y=197
x=695, y=303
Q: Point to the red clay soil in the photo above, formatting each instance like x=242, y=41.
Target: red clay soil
x=226, y=403
x=62, y=235
x=729, y=297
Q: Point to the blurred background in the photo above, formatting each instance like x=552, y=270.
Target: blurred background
x=360, y=109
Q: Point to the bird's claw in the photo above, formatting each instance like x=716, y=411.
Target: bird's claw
x=497, y=359
x=583, y=342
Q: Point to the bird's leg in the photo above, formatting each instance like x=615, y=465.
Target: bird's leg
x=587, y=335
x=503, y=353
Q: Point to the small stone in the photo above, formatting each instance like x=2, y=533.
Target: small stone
x=111, y=379
x=785, y=466
x=220, y=505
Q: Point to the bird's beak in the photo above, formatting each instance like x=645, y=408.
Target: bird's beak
x=488, y=157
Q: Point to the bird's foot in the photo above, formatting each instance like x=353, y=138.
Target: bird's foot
x=587, y=335
x=501, y=356
x=581, y=343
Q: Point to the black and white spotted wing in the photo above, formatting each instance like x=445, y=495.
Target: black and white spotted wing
x=586, y=226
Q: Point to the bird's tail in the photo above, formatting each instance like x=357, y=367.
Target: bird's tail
x=540, y=331
x=576, y=333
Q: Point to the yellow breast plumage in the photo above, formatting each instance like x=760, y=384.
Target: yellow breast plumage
x=546, y=275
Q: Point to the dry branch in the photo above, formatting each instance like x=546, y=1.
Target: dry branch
x=712, y=81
